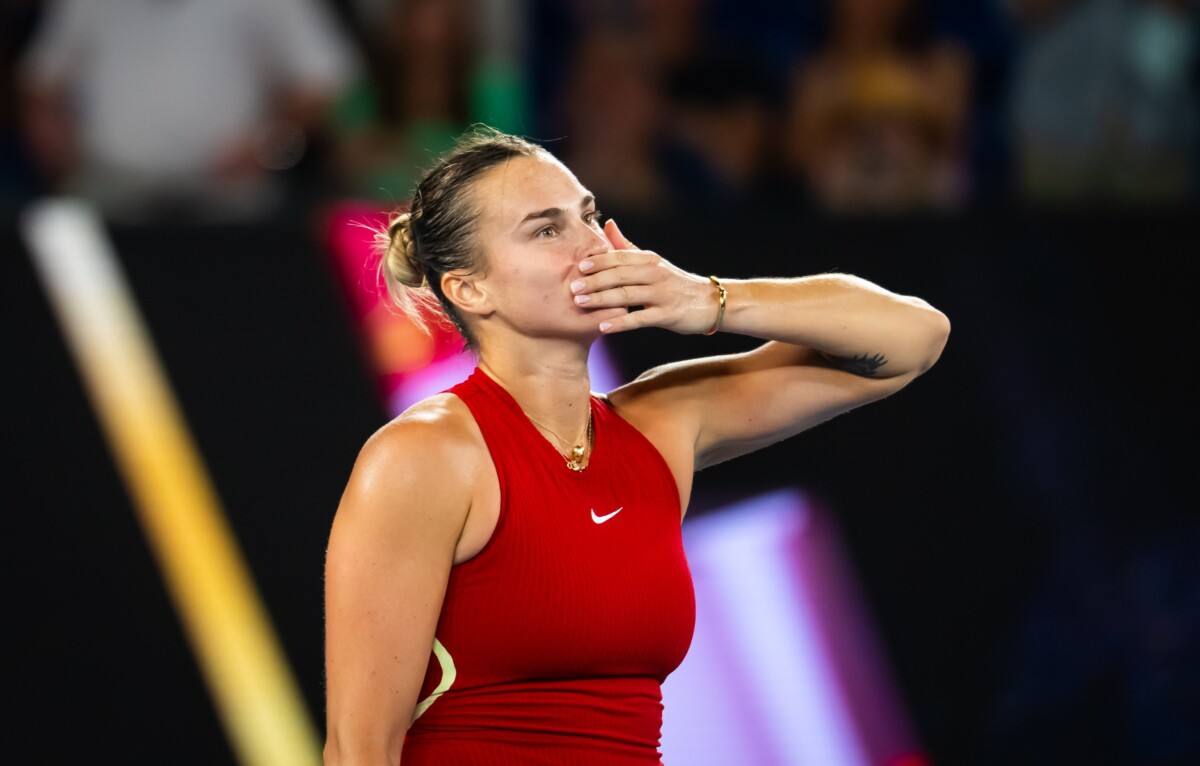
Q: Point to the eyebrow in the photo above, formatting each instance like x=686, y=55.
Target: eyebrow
x=557, y=212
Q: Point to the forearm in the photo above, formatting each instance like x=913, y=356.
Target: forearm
x=857, y=324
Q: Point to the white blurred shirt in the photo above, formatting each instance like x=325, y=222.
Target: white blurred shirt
x=161, y=87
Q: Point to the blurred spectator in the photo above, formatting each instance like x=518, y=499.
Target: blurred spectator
x=722, y=110
x=169, y=107
x=417, y=99
x=877, y=116
x=675, y=29
x=618, y=137
x=1103, y=103
x=614, y=116
x=435, y=68
x=655, y=106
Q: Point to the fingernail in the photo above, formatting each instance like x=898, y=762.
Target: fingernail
x=581, y=299
x=585, y=265
x=605, y=326
x=577, y=285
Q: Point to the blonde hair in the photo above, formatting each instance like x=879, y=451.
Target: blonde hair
x=438, y=232
x=405, y=280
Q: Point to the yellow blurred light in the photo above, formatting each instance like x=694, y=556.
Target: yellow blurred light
x=242, y=662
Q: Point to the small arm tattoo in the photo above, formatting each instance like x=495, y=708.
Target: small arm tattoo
x=865, y=365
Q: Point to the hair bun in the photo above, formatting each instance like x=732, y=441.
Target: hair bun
x=400, y=261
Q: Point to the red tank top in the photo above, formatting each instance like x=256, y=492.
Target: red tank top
x=554, y=640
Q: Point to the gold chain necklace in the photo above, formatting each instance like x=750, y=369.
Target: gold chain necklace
x=578, y=451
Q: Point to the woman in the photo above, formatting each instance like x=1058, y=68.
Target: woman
x=525, y=529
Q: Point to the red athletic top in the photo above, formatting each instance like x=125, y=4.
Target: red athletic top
x=553, y=641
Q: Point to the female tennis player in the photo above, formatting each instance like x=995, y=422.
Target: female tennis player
x=505, y=581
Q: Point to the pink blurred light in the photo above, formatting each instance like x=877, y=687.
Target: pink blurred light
x=784, y=669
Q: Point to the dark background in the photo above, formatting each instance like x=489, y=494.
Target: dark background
x=1020, y=517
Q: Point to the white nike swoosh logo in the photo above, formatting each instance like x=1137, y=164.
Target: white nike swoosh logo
x=602, y=519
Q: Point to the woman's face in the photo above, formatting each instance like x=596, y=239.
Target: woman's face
x=536, y=223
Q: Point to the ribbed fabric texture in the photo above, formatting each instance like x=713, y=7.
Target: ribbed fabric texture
x=562, y=629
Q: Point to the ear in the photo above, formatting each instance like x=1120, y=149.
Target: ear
x=463, y=289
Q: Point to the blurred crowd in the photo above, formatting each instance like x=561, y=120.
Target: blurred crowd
x=232, y=109
x=237, y=109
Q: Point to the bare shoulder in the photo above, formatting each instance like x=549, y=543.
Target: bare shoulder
x=433, y=449
x=433, y=426
x=663, y=386
x=666, y=405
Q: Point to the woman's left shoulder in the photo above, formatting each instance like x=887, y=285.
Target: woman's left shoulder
x=659, y=395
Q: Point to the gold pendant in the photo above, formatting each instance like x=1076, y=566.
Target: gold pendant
x=575, y=463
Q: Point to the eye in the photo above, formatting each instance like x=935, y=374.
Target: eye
x=594, y=218
x=546, y=232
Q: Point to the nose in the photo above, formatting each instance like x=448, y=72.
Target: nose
x=594, y=240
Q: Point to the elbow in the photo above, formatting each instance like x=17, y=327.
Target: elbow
x=937, y=334
x=926, y=332
x=928, y=327
x=357, y=751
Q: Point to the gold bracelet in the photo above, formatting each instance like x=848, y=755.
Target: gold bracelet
x=720, y=306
